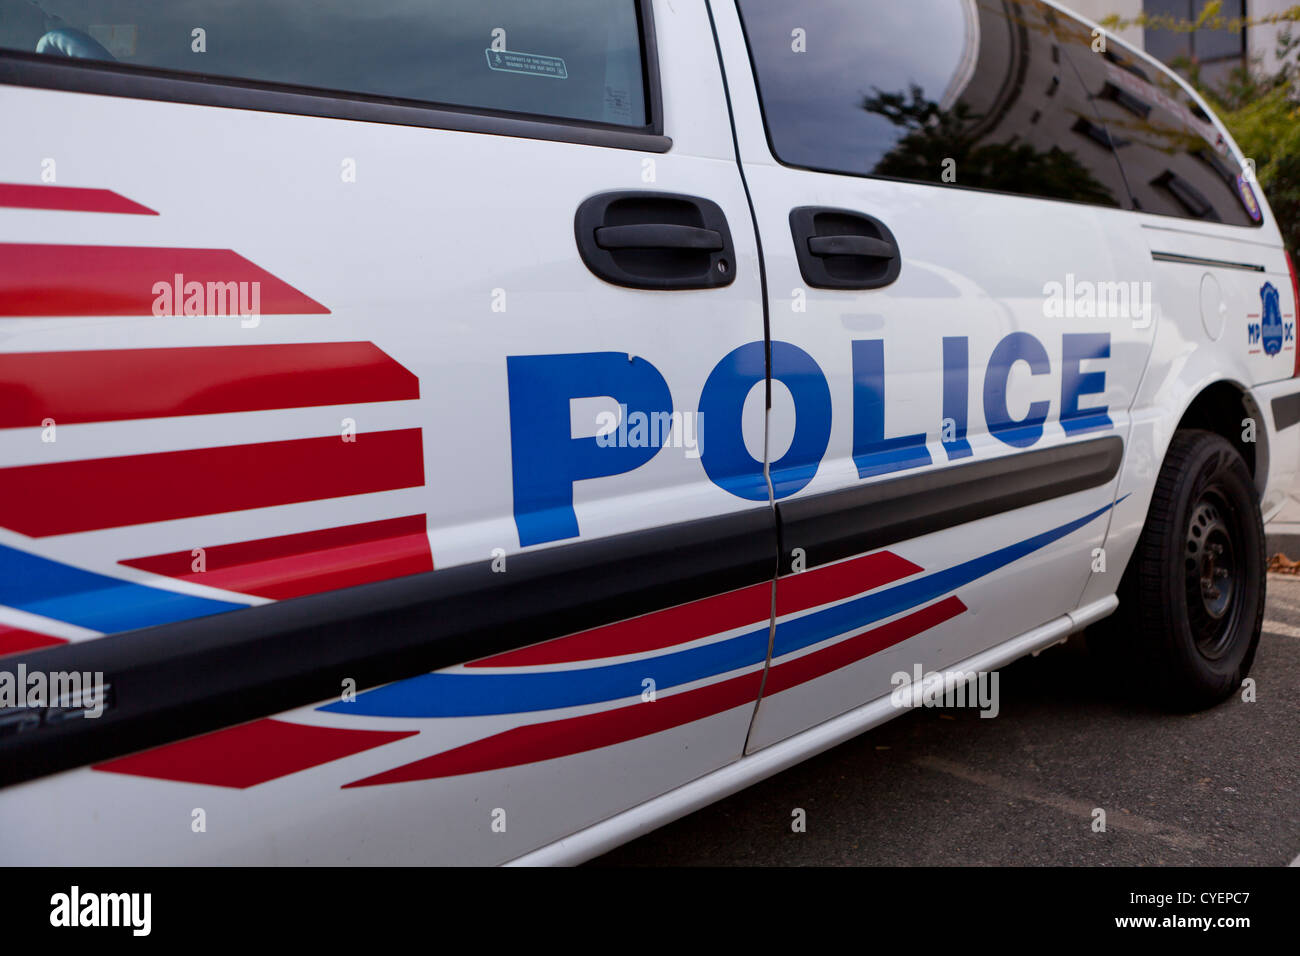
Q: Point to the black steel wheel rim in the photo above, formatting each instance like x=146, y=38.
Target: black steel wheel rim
x=1214, y=572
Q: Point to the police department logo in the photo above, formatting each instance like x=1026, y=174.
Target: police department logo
x=1271, y=323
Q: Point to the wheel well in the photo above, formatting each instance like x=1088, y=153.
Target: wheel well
x=1223, y=409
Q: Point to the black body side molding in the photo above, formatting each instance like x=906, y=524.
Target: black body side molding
x=179, y=680
x=188, y=678
x=844, y=523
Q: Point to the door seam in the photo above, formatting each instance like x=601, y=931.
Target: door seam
x=767, y=366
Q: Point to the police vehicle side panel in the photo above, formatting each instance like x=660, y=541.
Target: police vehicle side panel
x=971, y=332
x=1213, y=283
x=485, y=787
x=485, y=353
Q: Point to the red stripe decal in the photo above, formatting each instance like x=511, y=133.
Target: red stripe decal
x=14, y=640
x=112, y=385
x=713, y=615
x=250, y=754
x=803, y=669
x=561, y=738
x=64, y=497
x=677, y=625
x=68, y=199
x=834, y=582
x=308, y=563
x=50, y=280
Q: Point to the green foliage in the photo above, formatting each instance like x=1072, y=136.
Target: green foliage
x=1262, y=112
x=1210, y=18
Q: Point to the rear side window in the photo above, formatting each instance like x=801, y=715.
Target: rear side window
x=1176, y=161
x=972, y=93
x=568, y=59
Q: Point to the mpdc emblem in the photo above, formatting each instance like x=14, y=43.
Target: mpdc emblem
x=1271, y=323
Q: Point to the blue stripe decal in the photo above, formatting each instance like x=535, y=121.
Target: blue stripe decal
x=462, y=694
x=75, y=596
x=814, y=628
x=472, y=695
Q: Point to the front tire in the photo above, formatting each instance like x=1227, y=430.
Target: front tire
x=1192, y=598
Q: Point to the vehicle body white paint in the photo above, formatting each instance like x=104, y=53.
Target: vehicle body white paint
x=409, y=257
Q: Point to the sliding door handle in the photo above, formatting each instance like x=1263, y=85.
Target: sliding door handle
x=843, y=248
x=851, y=246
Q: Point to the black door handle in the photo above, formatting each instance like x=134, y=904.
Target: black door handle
x=843, y=249
x=658, y=236
x=851, y=246
x=654, y=240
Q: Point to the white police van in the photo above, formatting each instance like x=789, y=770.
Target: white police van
x=484, y=431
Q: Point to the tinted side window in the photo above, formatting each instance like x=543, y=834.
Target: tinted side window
x=570, y=59
x=896, y=89
x=1175, y=160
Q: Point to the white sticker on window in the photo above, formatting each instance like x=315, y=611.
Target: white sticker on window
x=533, y=64
x=618, y=102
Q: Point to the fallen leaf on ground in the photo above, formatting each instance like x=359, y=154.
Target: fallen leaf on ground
x=1281, y=564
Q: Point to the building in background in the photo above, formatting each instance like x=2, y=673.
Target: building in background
x=1218, y=52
